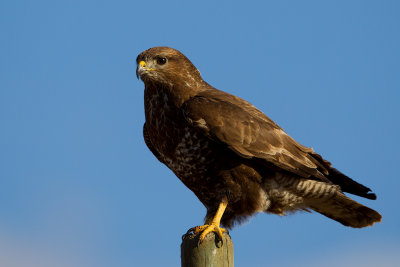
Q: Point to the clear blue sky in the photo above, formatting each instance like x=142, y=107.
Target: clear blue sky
x=78, y=187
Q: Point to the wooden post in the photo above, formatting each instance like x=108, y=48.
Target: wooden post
x=210, y=253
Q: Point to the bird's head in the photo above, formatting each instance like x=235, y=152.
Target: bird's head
x=166, y=65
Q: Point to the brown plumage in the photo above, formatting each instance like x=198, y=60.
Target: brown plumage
x=222, y=147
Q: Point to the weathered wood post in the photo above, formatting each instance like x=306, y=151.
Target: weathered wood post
x=209, y=253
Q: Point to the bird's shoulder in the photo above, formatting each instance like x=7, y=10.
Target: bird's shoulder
x=215, y=103
x=250, y=133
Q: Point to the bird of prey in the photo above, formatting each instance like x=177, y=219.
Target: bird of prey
x=234, y=158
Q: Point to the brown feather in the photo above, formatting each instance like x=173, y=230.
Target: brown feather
x=220, y=145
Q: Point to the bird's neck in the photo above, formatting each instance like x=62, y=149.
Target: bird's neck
x=176, y=93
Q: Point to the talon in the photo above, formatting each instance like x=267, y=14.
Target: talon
x=213, y=225
x=197, y=229
x=212, y=228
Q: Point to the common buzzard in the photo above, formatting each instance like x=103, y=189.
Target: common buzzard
x=235, y=159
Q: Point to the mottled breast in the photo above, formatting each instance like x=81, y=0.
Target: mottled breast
x=181, y=146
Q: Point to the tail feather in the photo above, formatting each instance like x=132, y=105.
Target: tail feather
x=329, y=200
x=345, y=210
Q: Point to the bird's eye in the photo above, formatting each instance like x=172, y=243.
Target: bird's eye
x=161, y=60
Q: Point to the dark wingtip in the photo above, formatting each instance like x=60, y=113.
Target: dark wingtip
x=370, y=196
x=349, y=185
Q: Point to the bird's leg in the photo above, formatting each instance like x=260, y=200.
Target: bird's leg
x=213, y=225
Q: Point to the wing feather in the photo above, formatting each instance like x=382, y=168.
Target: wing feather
x=251, y=134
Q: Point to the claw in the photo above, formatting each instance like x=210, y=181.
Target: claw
x=212, y=226
x=204, y=230
x=197, y=229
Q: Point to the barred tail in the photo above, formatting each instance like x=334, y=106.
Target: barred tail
x=345, y=210
x=329, y=200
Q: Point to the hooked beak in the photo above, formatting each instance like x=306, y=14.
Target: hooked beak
x=141, y=68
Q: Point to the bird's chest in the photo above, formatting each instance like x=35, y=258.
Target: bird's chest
x=181, y=146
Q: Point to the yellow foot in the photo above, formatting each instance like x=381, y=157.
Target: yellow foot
x=206, y=229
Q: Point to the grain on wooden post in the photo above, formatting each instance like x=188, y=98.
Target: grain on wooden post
x=207, y=254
